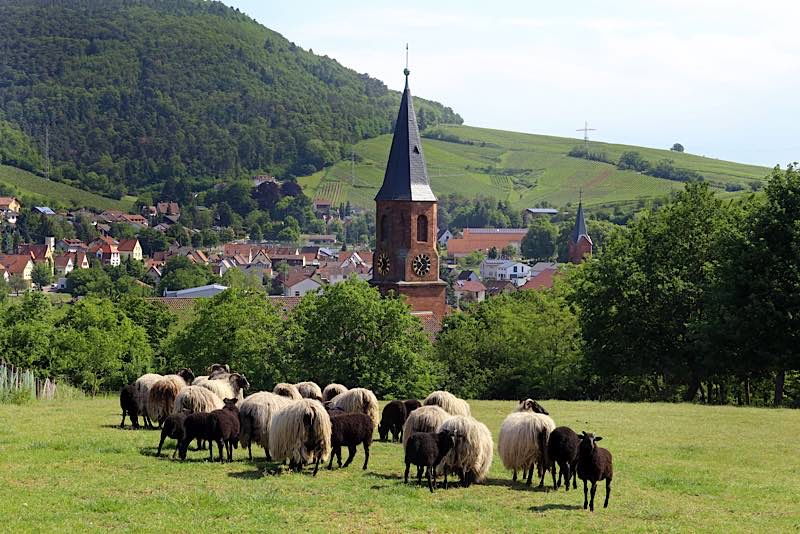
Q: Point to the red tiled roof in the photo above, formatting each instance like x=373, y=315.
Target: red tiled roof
x=37, y=252
x=174, y=304
x=484, y=239
x=430, y=323
x=543, y=280
x=15, y=263
x=286, y=304
x=63, y=260
x=472, y=286
x=127, y=245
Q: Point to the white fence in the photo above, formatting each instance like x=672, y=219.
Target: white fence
x=13, y=380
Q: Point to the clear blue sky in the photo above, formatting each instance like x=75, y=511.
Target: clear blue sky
x=720, y=77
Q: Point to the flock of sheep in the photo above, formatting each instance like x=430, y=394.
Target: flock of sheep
x=305, y=425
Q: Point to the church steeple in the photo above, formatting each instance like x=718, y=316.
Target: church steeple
x=580, y=244
x=406, y=175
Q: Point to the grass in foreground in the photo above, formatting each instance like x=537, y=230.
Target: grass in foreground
x=66, y=467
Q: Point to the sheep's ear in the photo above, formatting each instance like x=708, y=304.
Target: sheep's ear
x=598, y=438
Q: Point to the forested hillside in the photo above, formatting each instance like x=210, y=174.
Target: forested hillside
x=122, y=95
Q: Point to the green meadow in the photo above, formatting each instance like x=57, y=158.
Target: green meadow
x=66, y=467
x=521, y=169
x=59, y=193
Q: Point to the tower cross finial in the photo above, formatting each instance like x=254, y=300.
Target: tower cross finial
x=406, y=71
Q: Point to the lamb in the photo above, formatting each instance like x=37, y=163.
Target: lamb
x=471, y=457
x=562, y=449
x=287, y=390
x=127, y=401
x=255, y=413
x=447, y=401
x=392, y=419
x=594, y=464
x=220, y=426
x=350, y=430
x=358, y=400
x=423, y=419
x=143, y=385
x=331, y=390
x=523, y=443
x=426, y=450
x=161, y=397
x=530, y=405
x=196, y=399
x=411, y=405
x=230, y=386
x=300, y=432
x=173, y=428
x=309, y=390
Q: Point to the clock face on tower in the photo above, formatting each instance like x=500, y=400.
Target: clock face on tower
x=383, y=264
x=421, y=264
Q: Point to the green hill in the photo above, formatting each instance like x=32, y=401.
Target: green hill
x=55, y=194
x=128, y=94
x=522, y=169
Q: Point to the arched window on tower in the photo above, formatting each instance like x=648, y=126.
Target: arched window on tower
x=384, y=227
x=422, y=228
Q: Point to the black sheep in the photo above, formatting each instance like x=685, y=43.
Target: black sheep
x=173, y=427
x=127, y=401
x=350, y=429
x=411, y=405
x=594, y=464
x=393, y=418
x=562, y=450
x=219, y=426
x=426, y=450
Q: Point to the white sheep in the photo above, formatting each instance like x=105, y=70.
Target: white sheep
x=331, y=390
x=255, y=413
x=448, y=402
x=229, y=386
x=161, y=396
x=423, y=419
x=523, y=443
x=301, y=433
x=287, y=390
x=142, y=394
x=471, y=457
x=309, y=390
x=196, y=399
x=360, y=400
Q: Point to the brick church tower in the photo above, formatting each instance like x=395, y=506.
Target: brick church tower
x=580, y=244
x=406, y=260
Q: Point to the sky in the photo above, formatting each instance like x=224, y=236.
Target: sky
x=720, y=77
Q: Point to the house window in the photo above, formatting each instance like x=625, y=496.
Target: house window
x=515, y=268
x=422, y=228
x=296, y=293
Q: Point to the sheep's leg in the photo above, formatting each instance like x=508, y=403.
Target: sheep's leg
x=445, y=476
x=250, y=451
x=585, y=495
x=134, y=420
x=560, y=472
x=316, y=466
x=230, y=451
x=608, y=492
x=542, y=474
x=430, y=480
x=514, y=476
x=351, y=452
x=339, y=456
x=419, y=475
x=174, y=452
x=122, y=424
x=330, y=463
x=160, y=444
x=594, y=489
x=405, y=477
x=530, y=475
x=574, y=470
x=366, y=455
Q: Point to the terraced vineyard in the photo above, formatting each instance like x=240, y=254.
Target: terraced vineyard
x=522, y=169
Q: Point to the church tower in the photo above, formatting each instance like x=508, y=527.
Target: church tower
x=406, y=260
x=580, y=244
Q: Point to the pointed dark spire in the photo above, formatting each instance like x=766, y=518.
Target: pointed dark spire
x=406, y=175
x=580, y=223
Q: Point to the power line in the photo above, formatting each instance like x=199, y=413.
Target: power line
x=586, y=131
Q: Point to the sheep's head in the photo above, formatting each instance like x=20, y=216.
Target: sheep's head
x=230, y=404
x=186, y=374
x=239, y=381
x=446, y=440
x=216, y=369
x=530, y=405
x=588, y=441
x=383, y=431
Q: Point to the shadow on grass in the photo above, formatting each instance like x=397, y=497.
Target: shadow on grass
x=516, y=486
x=553, y=506
x=385, y=476
x=128, y=427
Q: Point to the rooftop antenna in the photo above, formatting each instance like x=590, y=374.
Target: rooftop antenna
x=586, y=131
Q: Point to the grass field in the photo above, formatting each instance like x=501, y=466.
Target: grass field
x=66, y=467
x=521, y=169
x=58, y=193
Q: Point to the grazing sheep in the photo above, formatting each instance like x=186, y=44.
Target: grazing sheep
x=199, y=380
x=230, y=386
x=471, y=457
x=448, y=402
x=215, y=370
x=562, y=450
x=287, y=390
x=143, y=385
x=127, y=401
x=161, y=397
x=173, y=428
x=255, y=413
x=358, y=400
x=523, y=443
x=309, y=390
x=423, y=419
x=350, y=430
x=393, y=418
x=542, y=461
x=594, y=464
x=219, y=426
x=426, y=450
x=331, y=390
x=300, y=432
x=530, y=405
x=196, y=399
x=411, y=405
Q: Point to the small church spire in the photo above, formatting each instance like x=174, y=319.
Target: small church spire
x=580, y=244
